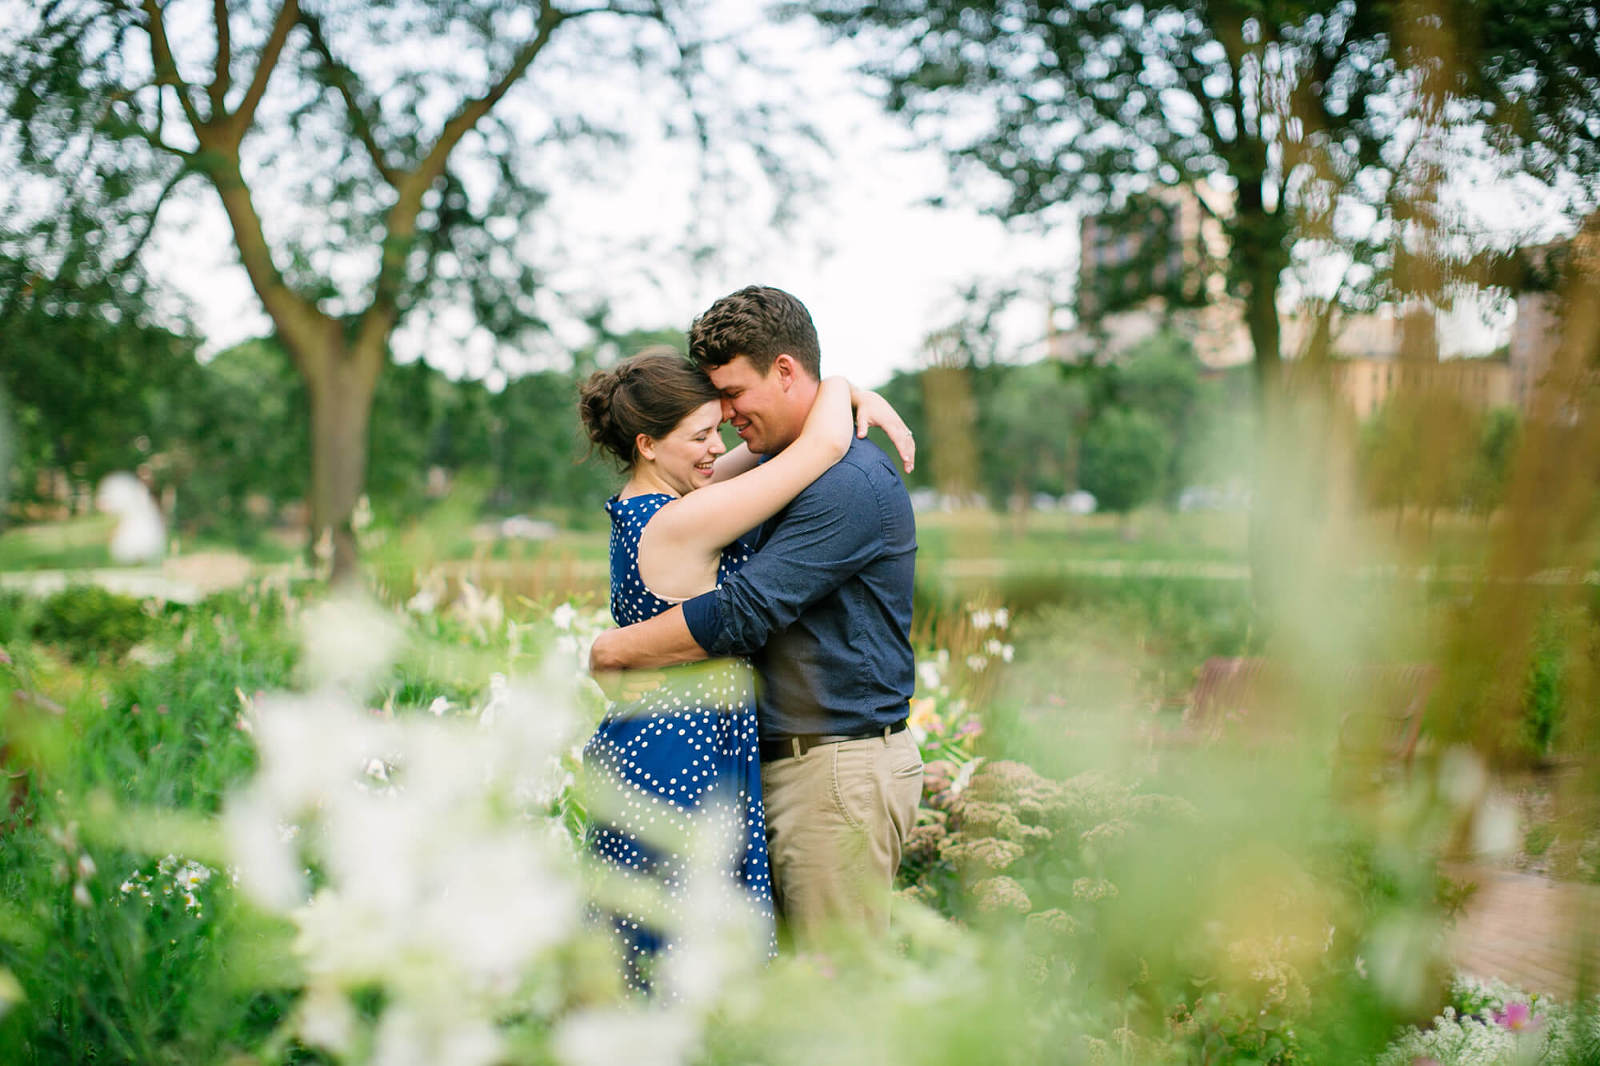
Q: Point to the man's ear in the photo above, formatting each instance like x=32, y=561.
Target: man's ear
x=785, y=366
x=645, y=446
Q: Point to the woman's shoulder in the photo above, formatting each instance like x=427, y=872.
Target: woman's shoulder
x=636, y=510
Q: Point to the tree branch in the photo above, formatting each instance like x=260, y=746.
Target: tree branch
x=150, y=222
x=382, y=314
x=166, y=66
x=222, y=78
x=241, y=119
x=343, y=77
x=302, y=325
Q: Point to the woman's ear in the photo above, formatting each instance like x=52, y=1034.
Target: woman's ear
x=645, y=446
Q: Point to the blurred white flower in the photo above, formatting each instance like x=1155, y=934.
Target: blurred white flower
x=1462, y=777
x=141, y=534
x=432, y=1034
x=348, y=640
x=482, y=612
x=1494, y=827
x=325, y=1019
x=982, y=618
x=440, y=706
x=1002, y=618
x=976, y=663
x=10, y=991
x=564, y=616
x=637, y=1037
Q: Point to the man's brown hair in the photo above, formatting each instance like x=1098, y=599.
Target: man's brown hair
x=759, y=323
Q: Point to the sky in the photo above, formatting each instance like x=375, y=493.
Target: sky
x=876, y=264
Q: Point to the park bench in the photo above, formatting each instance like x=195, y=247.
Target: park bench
x=1233, y=693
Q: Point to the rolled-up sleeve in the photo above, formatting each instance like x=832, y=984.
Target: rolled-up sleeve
x=829, y=533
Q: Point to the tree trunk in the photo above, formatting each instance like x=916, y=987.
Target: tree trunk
x=340, y=384
x=1260, y=253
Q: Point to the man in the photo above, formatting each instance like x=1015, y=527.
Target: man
x=823, y=609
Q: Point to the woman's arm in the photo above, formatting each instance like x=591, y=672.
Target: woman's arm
x=679, y=547
x=874, y=410
x=871, y=410
x=732, y=464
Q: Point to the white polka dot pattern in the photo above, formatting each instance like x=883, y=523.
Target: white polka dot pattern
x=681, y=762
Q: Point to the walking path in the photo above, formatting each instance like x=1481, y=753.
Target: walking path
x=1528, y=930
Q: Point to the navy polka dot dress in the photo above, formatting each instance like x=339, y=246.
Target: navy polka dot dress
x=677, y=771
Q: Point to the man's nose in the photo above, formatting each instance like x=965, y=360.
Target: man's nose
x=727, y=410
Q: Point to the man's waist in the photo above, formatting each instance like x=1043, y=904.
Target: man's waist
x=794, y=745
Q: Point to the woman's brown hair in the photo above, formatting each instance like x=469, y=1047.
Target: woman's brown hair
x=647, y=393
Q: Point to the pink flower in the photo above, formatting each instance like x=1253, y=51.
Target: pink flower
x=1517, y=1017
x=970, y=728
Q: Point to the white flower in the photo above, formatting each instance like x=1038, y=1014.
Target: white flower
x=976, y=663
x=10, y=991
x=439, y=706
x=1002, y=618
x=1494, y=829
x=982, y=618
x=348, y=639
x=564, y=616
x=638, y=1037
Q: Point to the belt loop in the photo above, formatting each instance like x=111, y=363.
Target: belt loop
x=886, y=735
x=795, y=744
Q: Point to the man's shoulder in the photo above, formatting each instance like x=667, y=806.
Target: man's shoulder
x=866, y=464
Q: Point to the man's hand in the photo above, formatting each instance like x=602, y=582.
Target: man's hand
x=660, y=641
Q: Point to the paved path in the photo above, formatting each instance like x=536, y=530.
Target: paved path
x=1529, y=930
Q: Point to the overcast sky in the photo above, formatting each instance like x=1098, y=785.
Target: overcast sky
x=876, y=265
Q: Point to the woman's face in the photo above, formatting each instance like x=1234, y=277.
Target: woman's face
x=684, y=458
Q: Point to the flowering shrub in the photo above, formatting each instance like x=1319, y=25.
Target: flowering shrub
x=1490, y=1023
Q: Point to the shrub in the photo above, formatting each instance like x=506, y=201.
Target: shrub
x=85, y=620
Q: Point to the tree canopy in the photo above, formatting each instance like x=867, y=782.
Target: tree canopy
x=371, y=161
x=1314, y=117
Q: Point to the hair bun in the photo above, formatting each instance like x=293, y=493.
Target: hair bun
x=648, y=393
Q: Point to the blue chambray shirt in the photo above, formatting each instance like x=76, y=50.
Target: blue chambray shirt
x=823, y=608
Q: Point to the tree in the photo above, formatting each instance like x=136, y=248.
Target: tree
x=363, y=156
x=1124, y=459
x=1297, y=106
x=94, y=385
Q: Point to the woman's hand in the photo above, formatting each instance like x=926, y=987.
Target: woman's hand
x=874, y=410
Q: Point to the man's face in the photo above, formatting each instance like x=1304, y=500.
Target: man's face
x=758, y=405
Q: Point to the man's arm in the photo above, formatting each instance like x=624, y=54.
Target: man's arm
x=660, y=641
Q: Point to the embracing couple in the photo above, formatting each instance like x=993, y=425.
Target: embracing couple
x=794, y=553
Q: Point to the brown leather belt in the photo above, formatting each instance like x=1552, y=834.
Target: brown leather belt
x=792, y=747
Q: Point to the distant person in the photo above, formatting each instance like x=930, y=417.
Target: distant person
x=823, y=608
x=680, y=763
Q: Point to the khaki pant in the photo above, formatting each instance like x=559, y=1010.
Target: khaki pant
x=837, y=818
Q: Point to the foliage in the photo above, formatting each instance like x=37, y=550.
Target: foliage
x=400, y=185
x=94, y=383
x=1309, y=113
x=86, y=620
x=1490, y=1023
x=1123, y=459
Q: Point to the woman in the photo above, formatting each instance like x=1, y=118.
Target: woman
x=680, y=764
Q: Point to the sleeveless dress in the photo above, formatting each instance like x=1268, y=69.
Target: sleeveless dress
x=676, y=771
